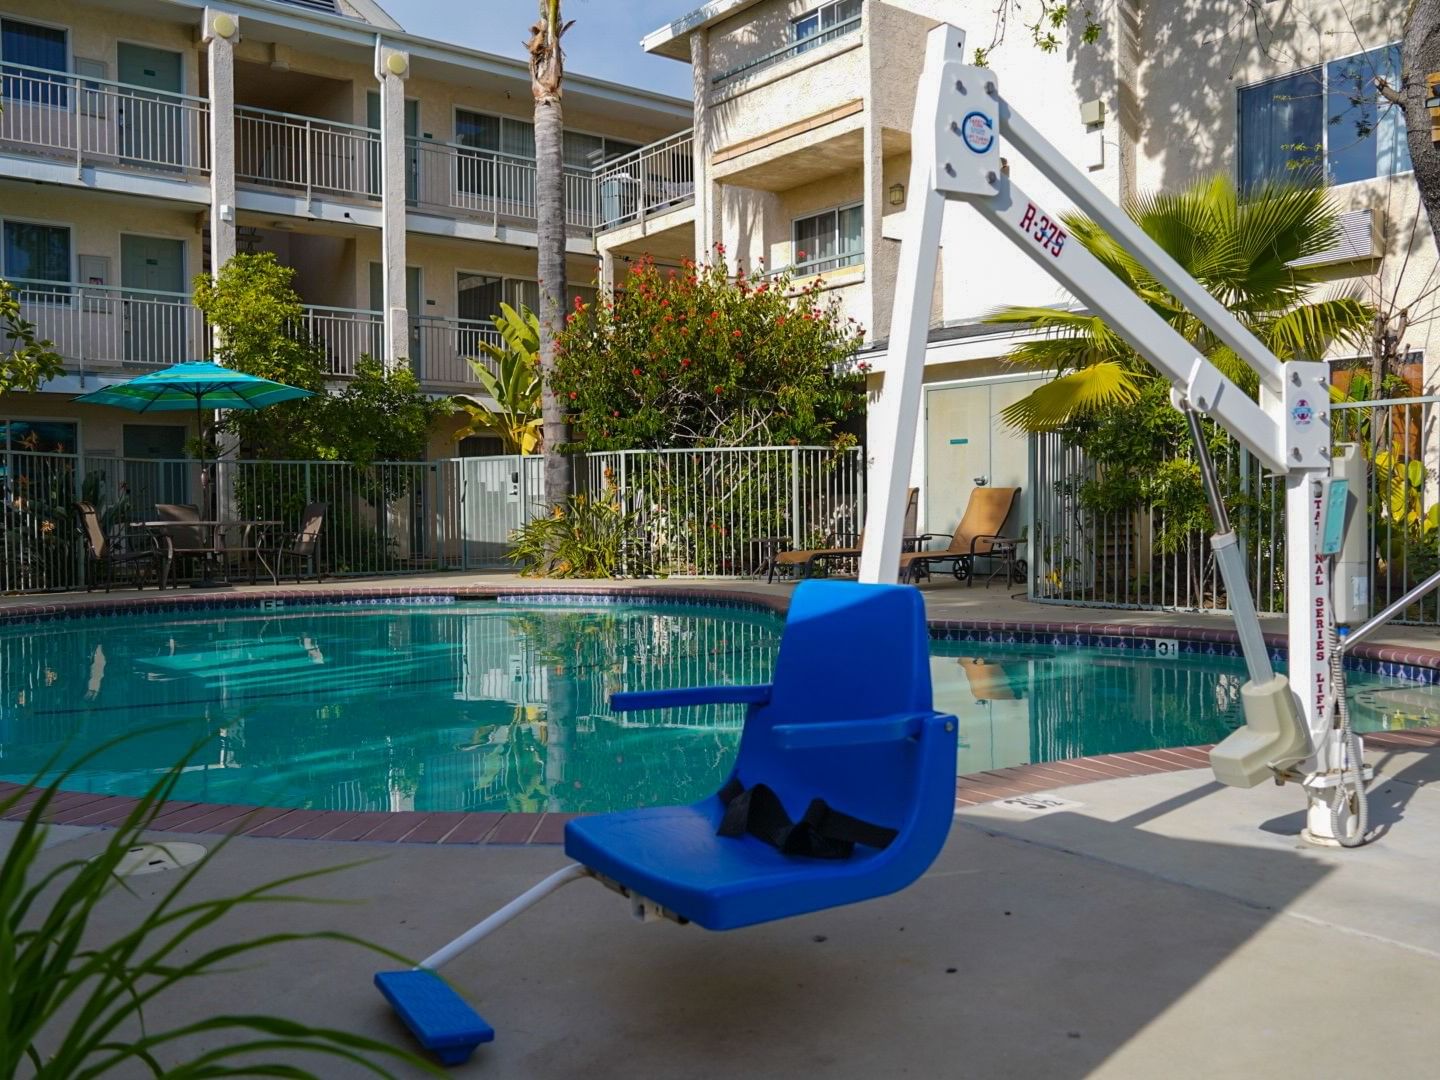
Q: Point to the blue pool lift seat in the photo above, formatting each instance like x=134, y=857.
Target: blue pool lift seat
x=848, y=719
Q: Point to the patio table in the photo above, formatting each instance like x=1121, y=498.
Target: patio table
x=253, y=540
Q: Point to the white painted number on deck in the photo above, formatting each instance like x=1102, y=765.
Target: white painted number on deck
x=1038, y=804
x=1166, y=648
x=1042, y=230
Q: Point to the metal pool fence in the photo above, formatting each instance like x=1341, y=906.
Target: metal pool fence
x=710, y=512
x=385, y=518
x=1137, y=559
x=720, y=512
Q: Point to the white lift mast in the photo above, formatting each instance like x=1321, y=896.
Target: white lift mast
x=960, y=120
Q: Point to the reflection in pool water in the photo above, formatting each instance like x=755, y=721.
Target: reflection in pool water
x=493, y=706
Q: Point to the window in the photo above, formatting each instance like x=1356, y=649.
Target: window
x=32, y=253
x=40, y=436
x=819, y=23
x=479, y=296
x=583, y=151
x=830, y=240
x=485, y=174
x=500, y=134
x=33, y=46
x=1328, y=118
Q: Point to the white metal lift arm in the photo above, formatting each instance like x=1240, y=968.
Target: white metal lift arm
x=1209, y=391
x=1055, y=167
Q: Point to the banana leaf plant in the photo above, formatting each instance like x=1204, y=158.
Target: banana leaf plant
x=511, y=382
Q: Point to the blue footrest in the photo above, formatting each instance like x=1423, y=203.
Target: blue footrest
x=439, y=1017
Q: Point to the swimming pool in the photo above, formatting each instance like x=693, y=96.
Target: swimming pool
x=453, y=704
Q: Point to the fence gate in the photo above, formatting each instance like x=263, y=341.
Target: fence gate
x=496, y=496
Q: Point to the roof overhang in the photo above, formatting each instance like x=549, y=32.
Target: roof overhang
x=673, y=39
x=339, y=34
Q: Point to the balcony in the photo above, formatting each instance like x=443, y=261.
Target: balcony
x=89, y=121
x=306, y=155
x=795, y=48
x=647, y=182
x=484, y=185
x=440, y=349
x=103, y=326
x=345, y=334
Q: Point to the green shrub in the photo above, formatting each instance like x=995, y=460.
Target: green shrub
x=582, y=537
x=72, y=1009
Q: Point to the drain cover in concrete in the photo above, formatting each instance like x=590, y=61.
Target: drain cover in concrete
x=155, y=858
x=1038, y=804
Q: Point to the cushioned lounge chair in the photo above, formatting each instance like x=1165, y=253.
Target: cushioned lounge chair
x=975, y=536
x=856, y=768
x=803, y=563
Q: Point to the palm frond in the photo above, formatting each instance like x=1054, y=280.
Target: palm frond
x=1309, y=330
x=1096, y=387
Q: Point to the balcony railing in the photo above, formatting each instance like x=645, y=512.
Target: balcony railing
x=87, y=121
x=306, y=154
x=646, y=182
x=440, y=349
x=104, y=325
x=795, y=48
x=463, y=181
x=346, y=334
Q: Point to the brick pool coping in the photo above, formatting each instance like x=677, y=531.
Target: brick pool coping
x=470, y=828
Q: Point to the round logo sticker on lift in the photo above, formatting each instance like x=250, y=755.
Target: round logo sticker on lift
x=1303, y=413
x=978, y=131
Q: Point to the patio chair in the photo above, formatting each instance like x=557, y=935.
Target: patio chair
x=303, y=546
x=189, y=541
x=803, y=563
x=975, y=537
x=129, y=549
x=855, y=750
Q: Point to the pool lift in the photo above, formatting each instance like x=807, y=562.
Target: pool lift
x=865, y=739
x=1297, y=728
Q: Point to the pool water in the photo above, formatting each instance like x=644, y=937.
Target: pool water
x=487, y=705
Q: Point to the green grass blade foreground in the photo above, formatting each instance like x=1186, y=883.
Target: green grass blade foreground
x=70, y=1008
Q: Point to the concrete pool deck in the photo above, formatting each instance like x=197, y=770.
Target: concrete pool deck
x=1159, y=926
x=1153, y=925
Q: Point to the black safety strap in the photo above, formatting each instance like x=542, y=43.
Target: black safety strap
x=823, y=833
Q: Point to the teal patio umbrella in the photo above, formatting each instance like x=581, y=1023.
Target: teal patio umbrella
x=198, y=385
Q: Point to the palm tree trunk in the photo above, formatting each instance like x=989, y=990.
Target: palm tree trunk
x=1420, y=55
x=547, y=72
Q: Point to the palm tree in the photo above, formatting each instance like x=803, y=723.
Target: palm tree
x=547, y=73
x=1241, y=247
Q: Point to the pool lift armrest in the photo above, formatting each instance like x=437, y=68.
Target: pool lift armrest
x=643, y=700
x=831, y=733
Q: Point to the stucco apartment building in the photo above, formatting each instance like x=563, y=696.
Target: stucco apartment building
x=143, y=142
x=800, y=157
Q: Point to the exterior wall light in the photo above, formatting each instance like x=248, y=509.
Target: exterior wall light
x=897, y=194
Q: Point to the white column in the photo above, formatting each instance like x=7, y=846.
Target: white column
x=700, y=87
x=607, y=272
x=220, y=32
x=392, y=67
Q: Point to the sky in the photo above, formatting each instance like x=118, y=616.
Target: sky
x=603, y=43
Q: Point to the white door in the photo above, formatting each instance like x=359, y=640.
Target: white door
x=967, y=443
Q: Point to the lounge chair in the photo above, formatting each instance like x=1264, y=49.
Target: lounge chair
x=303, y=546
x=120, y=549
x=842, y=739
x=974, y=537
x=803, y=563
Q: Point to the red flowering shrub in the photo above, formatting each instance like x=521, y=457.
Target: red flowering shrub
x=704, y=359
